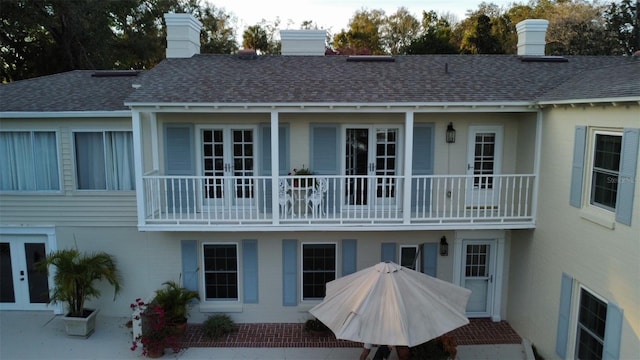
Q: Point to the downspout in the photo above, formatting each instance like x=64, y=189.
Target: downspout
x=536, y=166
x=275, y=170
x=137, y=160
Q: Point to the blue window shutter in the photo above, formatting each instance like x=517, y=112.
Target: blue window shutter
x=324, y=149
x=612, y=332
x=178, y=149
x=430, y=259
x=423, y=150
x=577, y=167
x=250, y=271
x=388, y=252
x=189, y=250
x=179, y=160
x=627, y=179
x=349, y=256
x=562, y=336
x=283, y=149
x=289, y=272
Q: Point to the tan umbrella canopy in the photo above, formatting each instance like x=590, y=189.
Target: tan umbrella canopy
x=393, y=305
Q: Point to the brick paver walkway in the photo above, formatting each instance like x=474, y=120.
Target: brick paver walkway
x=478, y=331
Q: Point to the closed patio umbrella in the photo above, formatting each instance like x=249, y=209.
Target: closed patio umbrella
x=390, y=304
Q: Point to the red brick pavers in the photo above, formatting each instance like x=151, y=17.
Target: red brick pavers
x=477, y=332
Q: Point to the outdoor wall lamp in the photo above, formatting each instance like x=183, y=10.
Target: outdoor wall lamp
x=444, y=247
x=451, y=134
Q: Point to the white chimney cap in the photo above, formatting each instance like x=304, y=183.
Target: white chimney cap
x=531, y=36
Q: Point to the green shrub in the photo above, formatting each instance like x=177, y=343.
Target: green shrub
x=315, y=325
x=218, y=325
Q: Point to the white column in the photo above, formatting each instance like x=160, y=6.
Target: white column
x=408, y=167
x=137, y=160
x=275, y=170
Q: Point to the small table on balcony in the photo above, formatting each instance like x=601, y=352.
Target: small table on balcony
x=300, y=205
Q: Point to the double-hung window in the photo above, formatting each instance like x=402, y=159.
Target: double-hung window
x=104, y=160
x=603, y=174
x=220, y=271
x=318, y=268
x=592, y=320
x=605, y=170
x=29, y=161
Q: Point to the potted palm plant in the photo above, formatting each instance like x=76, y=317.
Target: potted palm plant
x=74, y=283
x=174, y=300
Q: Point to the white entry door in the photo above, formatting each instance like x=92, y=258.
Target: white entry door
x=22, y=287
x=478, y=269
x=484, y=160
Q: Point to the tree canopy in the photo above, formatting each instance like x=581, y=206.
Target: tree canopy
x=62, y=35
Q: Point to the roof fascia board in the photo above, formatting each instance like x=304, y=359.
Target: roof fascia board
x=341, y=107
x=613, y=100
x=64, y=114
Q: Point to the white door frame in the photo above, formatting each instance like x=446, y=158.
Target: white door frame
x=476, y=197
x=48, y=235
x=497, y=239
x=229, y=188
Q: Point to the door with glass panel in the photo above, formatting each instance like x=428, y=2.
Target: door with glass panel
x=22, y=287
x=484, y=160
x=478, y=268
x=371, y=164
x=228, y=163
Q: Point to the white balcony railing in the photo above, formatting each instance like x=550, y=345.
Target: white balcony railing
x=338, y=200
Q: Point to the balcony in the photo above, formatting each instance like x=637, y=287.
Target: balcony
x=336, y=202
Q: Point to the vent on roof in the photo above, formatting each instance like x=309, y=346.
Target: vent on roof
x=543, y=59
x=115, y=73
x=370, y=58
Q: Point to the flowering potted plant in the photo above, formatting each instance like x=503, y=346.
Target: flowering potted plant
x=156, y=334
x=306, y=180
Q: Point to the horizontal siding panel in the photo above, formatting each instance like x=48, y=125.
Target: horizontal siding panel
x=80, y=210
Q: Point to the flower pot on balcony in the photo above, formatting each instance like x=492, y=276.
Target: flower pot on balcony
x=81, y=326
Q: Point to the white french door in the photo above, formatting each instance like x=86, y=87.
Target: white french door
x=228, y=160
x=371, y=164
x=478, y=269
x=22, y=287
x=484, y=160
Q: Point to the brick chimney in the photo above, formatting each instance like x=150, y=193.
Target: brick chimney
x=531, y=37
x=183, y=35
x=303, y=42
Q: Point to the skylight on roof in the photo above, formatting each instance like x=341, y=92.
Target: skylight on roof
x=115, y=73
x=370, y=58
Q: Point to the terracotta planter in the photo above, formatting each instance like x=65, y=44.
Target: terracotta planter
x=155, y=353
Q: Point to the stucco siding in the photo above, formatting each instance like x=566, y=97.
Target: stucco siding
x=567, y=240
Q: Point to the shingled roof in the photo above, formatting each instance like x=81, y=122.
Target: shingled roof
x=223, y=79
x=414, y=79
x=79, y=90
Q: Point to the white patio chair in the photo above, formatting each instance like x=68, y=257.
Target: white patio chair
x=285, y=199
x=315, y=197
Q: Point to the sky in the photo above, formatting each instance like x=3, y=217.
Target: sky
x=334, y=15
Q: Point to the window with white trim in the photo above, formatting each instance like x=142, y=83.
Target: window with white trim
x=605, y=169
x=220, y=271
x=29, y=161
x=104, y=160
x=408, y=256
x=592, y=319
x=318, y=268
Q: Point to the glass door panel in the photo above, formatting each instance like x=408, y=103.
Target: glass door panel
x=385, y=165
x=243, y=167
x=357, y=166
x=22, y=287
